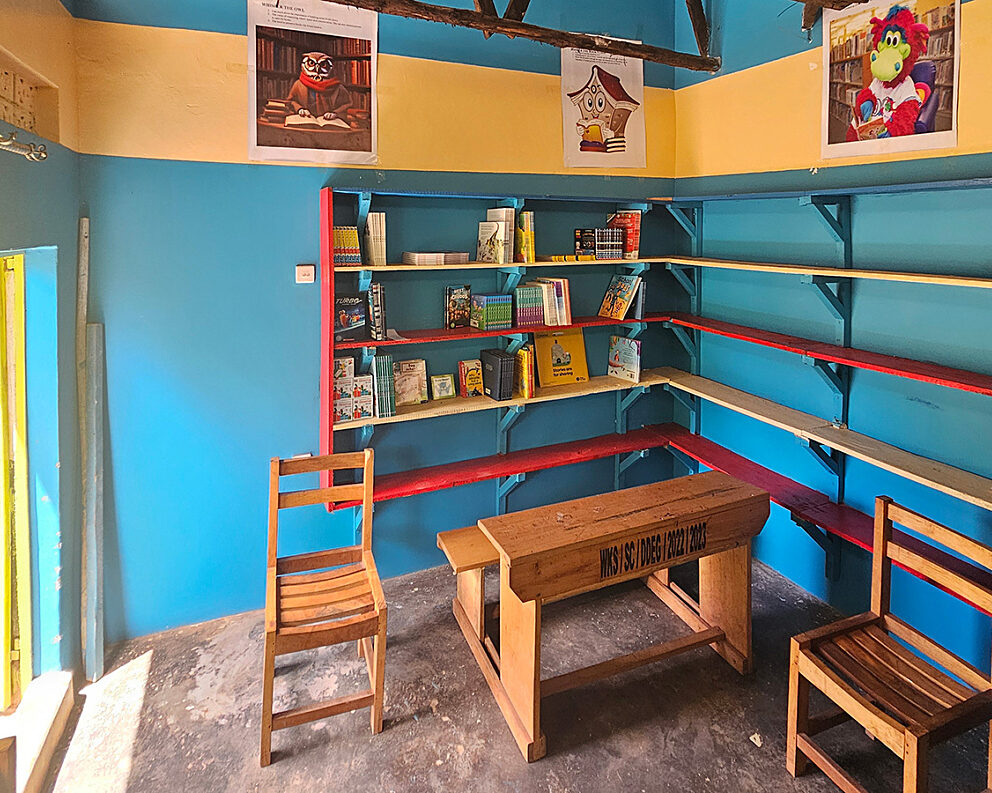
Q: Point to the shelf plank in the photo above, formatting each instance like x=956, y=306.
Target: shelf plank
x=441, y=477
x=450, y=407
x=836, y=272
x=923, y=371
x=386, y=268
x=947, y=479
x=459, y=334
x=805, y=503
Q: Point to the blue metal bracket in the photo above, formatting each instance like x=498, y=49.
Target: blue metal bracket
x=636, y=329
x=692, y=226
x=689, y=402
x=506, y=421
x=837, y=222
x=512, y=276
x=832, y=379
x=516, y=203
x=365, y=435
x=514, y=341
x=830, y=298
x=357, y=515
x=362, y=221
x=365, y=363
x=623, y=404
x=636, y=268
x=504, y=487
x=830, y=543
x=826, y=458
x=689, y=462
x=364, y=280
x=636, y=206
x=688, y=341
x=632, y=458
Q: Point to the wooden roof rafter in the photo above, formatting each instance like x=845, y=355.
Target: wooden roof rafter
x=812, y=9
x=511, y=24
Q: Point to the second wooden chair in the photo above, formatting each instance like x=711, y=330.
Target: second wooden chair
x=323, y=598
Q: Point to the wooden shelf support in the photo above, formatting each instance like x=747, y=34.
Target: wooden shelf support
x=506, y=421
x=624, y=401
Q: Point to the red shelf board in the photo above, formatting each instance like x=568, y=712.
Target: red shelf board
x=850, y=356
x=840, y=519
x=454, y=334
x=441, y=477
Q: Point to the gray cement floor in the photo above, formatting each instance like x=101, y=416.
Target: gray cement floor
x=179, y=711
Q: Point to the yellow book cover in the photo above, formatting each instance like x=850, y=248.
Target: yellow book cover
x=561, y=357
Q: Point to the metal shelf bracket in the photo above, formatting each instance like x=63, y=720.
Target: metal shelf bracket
x=365, y=435
x=510, y=277
x=504, y=487
x=632, y=458
x=681, y=457
x=506, y=421
x=514, y=341
x=636, y=329
x=364, y=280
x=688, y=341
x=828, y=459
x=368, y=356
x=831, y=545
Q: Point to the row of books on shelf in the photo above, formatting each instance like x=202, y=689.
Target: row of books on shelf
x=938, y=16
x=940, y=44
x=554, y=358
x=507, y=237
x=278, y=56
x=846, y=72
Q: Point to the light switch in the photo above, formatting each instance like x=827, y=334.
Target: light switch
x=306, y=273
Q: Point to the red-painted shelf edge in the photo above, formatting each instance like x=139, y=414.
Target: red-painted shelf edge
x=456, y=334
x=923, y=371
x=841, y=520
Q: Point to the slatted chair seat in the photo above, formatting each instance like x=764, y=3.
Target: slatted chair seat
x=867, y=665
x=324, y=597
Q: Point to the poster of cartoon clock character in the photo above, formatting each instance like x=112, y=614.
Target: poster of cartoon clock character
x=602, y=106
x=890, y=77
x=312, y=82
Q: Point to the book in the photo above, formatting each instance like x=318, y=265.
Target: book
x=630, y=221
x=563, y=299
x=561, y=357
x=457, y=306
x=609, y=243
x=497, y=373
x=470, y=378
x=640, y=300
x=377, y=312
x=350, y=321
x=619, y=296
x=362, y=386
x=492, y=236
x=523, y=239
x=625, y=359
x=528, y=305
x=591, y=257
x=523, y=373
x=314, y=122
x=434, y=258
x=346, y=247
x=375, y=239
x=410, y=382
x=343, y=410
x=492, y=312
x=363, y=407
x=585, y=243
x=549, y=303
x=506, y=216
x=383, y=385
x=344, y=367
x=442, y=386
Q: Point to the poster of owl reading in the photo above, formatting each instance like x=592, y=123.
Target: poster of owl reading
x=312, y=82
x=602, y=107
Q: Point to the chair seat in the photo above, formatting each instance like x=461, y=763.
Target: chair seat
x=887, y=674
x=328, y=596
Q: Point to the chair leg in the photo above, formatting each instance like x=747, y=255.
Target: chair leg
x=798, y=720
x=988, y=788
x=916, y=765
x=268, y=674
x=379, y=674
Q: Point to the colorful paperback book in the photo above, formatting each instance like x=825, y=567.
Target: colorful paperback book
x=470, y=378
x=410, y=382
x=362, y=386
x=383, y=385
x=523, y=374
x=492, y=238
x=363, y=408
x=630, y=222
x=350, y=317
x=344, y=367
x=528, y=306
x=619, y=296
x=457, y=306
x=343, y=409
x=492, y=312
x=585, y=243
x=523, y=239
x=625, y=359
x=506, y=216
x=561, y=357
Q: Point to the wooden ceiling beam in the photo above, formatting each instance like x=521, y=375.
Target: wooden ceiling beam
x=487, y=8
x=516, y=10
x=700, y=27
x=414, y=9
x=812, y=9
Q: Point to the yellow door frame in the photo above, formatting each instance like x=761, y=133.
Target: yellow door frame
x=15, y=577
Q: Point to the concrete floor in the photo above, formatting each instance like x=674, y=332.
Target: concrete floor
x=179, y=711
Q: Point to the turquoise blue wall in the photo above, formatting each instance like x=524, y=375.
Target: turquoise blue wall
x=39, y=208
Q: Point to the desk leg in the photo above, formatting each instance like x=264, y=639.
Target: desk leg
x=725, y=601
x=470, y=593
x=520, y=667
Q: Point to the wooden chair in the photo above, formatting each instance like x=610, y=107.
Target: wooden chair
x=323, y=598
x=904, y=701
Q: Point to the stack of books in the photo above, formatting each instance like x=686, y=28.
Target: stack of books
x=523, y=374
x=528, y=305
x=562, y=300
x=353, y=398
x=346, y=247
x=497, y=373
x=383, y=385
x=276, y=111
x=375, y=239
x=630, y=222
x=492, y=312
x=523, y=239
x=609, y=243
x=377, y=312
x=434, y=258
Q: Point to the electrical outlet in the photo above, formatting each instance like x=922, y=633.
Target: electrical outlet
x=306, y=273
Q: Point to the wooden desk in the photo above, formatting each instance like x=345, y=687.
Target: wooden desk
x=560, y=550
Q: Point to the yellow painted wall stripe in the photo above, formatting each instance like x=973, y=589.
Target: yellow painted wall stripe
x=6, y=515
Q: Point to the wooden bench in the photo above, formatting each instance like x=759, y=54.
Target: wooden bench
x=469, y=552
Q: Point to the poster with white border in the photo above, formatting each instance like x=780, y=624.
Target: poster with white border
x=890, y=77
x=602, y=109
x=312, y=82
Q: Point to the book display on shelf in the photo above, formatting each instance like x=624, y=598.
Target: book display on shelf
x=492, y=312
x=457, y=306
x=506, y=216
x=561, y=357
x=498, y=368
x=624, y=359
x=562, y=298
x=434, y=258
x=443, y=386
x=470, y=378
x=630, y=221
x=524, y=250
x=492, y=242
x=528, y=305
x=377, y=312
x=524, y=381
x=384, y=385
x=410, y=382
x=619, y=297
x=350, y=317
x=346, y=248
x=375, y=239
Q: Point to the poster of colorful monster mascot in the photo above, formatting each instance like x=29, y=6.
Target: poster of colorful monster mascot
x=602, y=107
x=312, y=81
x=890, y=77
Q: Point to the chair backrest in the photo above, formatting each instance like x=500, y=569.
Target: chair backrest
x=353, y=494
x=923, y=557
